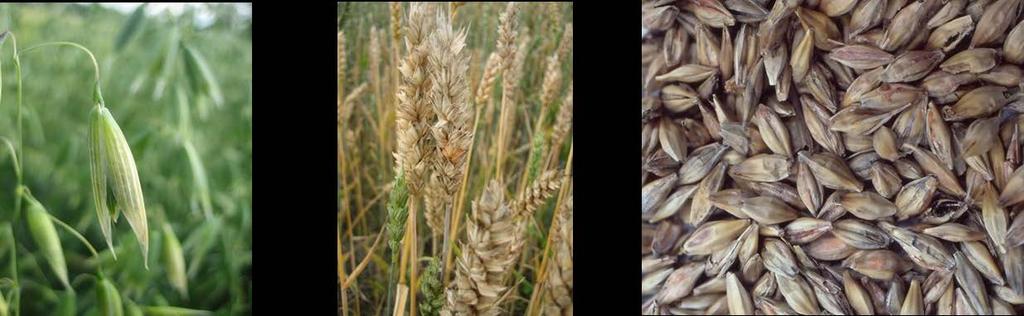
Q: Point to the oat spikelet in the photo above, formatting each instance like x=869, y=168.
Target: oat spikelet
x=122, y=174
x=483, y=91
x=558, y=296
x=538, y=193
x=489, y=251
x=413, y=114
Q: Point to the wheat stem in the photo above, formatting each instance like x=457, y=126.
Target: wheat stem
x=362, y=263
x=507, y=49
x=413, y=262
x=542, y=273
x=341, y=275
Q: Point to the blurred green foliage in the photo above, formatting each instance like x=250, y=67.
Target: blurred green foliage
x=182, y=93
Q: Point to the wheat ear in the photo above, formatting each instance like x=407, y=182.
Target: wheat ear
x=558, y=286
x=552, y=82
x=413, y=114
x=341, y=71
x=395, y=8
x=397, y=213
x=453, y=131
x=491, y=69
x=560, y=130
x=433, y=210
x=489, y=251
x=507, y=50
x=431, y=287
x=413, y=119
x=534, y=197
x=563, y=122
x=565, y=46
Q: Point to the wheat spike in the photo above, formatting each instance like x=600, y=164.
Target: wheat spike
x=397, y=211
x=490, y=249
x=565, y=46
x=413, y=114
x=507, y=24
x=353, y=96
x=507, y=50
x=552, y=19
x=558, y=294
x=453, y=131
x=396, y=20
x=431, y=287
x=483, y=91
x=563, y=122
x=538, y=193
x=374, y=61
x=434, y=203
x=552, y=82
x=341, y=71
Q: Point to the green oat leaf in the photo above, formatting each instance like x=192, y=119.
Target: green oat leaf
x=67, y=304
x=201, y=76
x=108, y=298
x=199, y=242
x=167, y=65
x=131, y=27
x=3, y=37
x=175, y=311
x=199, y=175
x=174, y=261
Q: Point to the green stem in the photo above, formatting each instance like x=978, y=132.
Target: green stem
x=16, y=295
x=392, y=284
x=14, y=157
x=97, y=96
x=17, y=70
x=81, y=238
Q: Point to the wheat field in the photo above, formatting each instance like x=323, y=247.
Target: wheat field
x=455, y=158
